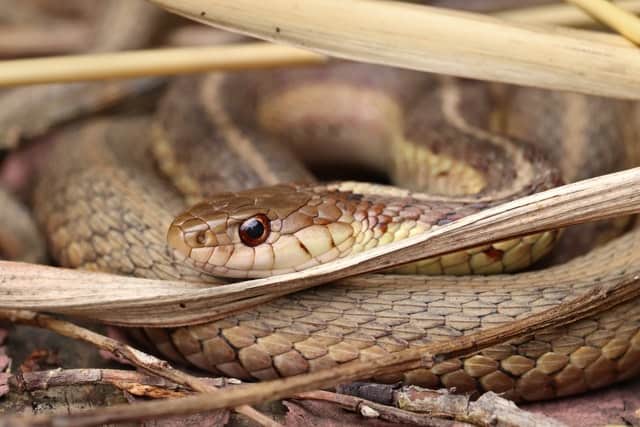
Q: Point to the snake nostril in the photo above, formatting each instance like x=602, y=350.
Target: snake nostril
x=175, y=239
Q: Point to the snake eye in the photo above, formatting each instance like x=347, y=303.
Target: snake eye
x=255, y=230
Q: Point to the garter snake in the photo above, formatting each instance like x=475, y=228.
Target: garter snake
x=105, y=207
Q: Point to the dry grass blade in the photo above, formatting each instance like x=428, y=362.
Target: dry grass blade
x=560, y=14
x=152, y=63
x=156, y=62
x=139, y=302
x=612, y=15
x=432, y=39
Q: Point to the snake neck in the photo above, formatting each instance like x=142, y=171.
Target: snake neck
x=449, y=149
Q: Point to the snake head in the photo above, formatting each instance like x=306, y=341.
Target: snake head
x=246, y=234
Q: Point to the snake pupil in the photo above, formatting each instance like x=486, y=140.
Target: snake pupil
x=254, y=230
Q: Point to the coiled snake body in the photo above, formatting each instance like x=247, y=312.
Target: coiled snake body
x=110, y=210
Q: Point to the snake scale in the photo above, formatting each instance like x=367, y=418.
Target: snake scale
x=104, y=206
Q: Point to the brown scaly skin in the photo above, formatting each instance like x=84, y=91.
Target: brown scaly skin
x=102, y=213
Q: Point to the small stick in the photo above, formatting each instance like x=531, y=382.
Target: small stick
x=370, y=409
x=152, y=62
x=613, y=16
x=488, y=410
x=138, y=358
x=134, y=382
x=419, y=406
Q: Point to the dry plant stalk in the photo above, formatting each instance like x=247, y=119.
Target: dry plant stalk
x=488, y=410
x=133, y=382
x=153, y=62
x=613, y=16
x=131, y=301
x=156, y=62
x=560, y=14
x=431, y=39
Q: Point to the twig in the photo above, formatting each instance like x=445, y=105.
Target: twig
x=489, y=410
x=596, y=301
x=613, y=16
x=138, y=358
x=432, y=39
x=371, y=409
x=408, y=403
x=152, y=62
x=134, y=382
x=144, y=361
